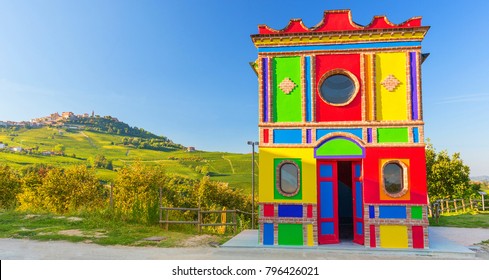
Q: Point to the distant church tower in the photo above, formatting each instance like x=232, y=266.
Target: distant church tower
x=342, y=152
x=93, y=113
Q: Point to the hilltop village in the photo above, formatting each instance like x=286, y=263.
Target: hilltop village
x=70, y=122
x=54, y=119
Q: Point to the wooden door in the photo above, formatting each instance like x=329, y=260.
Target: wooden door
x=357, y=188
x=327, y=185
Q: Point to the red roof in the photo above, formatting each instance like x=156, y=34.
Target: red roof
x=339, y=20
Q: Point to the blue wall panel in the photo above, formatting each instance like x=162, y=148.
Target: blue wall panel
x=369, y=135
x=415, y=135
x=268, y=234
x=327, y=228
x=358, y=200
x=326, y=171
x=392, y=212
x=287, y=136
x=326, y=189
x=308, y=96
x=355, y=131
x=358, y=170
x=359, y=228
x=290, y=211
x=371, y=212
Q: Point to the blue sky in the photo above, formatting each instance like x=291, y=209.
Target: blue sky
x=180, y=68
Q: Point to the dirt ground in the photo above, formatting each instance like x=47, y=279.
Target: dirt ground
x=199, y=248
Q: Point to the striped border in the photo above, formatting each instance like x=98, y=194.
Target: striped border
x=339, y=47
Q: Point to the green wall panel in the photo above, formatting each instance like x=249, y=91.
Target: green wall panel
x=277, y=194
x=417, y=212
x=392, y=135
x=339, y=147
x=290, y=234
x=287, y=107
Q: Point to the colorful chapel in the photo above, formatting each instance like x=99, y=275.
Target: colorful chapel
x=342, y=155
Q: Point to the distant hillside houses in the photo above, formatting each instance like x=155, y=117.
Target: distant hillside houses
x=56, y=118
x=5, y=147
x=16, y=149
x=51, y=119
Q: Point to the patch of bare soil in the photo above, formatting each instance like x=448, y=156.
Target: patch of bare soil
x=30, y=216
x=77, y=232
x=482, y=252
x=198, y=241
x=71, y=219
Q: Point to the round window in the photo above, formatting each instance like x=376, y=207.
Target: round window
x=393, y=178
x=338, y=89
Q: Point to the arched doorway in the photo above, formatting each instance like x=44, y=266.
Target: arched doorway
x=340, y=189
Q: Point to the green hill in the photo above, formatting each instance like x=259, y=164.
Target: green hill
x=66, y=145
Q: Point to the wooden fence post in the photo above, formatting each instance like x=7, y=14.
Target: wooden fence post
x=111, y=196
x=463, y=204
x=167, y=218
x=441, y=205
x=235, y=222
x=161, y=210
x=199, y=219
x=455, y=205
x=471, y=204
x=448, y=207
x=437, y=212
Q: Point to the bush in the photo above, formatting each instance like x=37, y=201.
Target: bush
x=136, y=193
x=61, y=191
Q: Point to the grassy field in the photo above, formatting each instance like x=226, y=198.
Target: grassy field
x=80, y=146
x=98, y=230
x=466, y=220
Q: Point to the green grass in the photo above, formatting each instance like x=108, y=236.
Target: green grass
x=466, y=220
x=92, y=229
x=234, y=169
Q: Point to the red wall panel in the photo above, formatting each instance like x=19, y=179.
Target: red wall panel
x=350, y=112
x=417, y=173
x=268, y=210
x=373, y=241
x=418, y=237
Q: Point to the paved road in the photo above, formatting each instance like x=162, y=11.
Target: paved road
x=23, y=249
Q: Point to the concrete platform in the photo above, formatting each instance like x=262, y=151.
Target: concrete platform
x=440, y=245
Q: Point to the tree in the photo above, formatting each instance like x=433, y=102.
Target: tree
x=447, y=177
x=9, y=187
x=100, y=161
x=60, y=148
